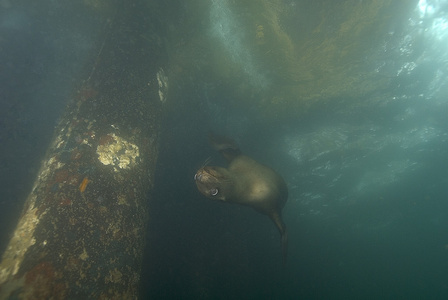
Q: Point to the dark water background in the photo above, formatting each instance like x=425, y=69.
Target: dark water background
x=371, y=222
x=42, y=50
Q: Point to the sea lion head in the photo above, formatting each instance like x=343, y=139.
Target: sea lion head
x=213, y=182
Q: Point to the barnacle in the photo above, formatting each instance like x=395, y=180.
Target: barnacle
x=118, y=152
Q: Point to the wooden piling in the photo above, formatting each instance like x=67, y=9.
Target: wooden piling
x=81, y=233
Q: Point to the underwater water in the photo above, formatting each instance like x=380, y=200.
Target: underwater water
x=367, y=213
x=368, y=188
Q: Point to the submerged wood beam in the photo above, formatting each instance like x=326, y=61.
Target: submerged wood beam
x=81, y=233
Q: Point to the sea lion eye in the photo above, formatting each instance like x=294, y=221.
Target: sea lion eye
x=214, y=192
x=197, y=177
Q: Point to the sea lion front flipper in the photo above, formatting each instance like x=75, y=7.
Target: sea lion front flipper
x=277, y=219
x=226, y=146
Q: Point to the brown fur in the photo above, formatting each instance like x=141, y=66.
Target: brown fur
x=246, y=182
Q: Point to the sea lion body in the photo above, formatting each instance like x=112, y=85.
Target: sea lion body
x=245, y=182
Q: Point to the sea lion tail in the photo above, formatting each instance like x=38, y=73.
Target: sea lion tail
x=226, y=146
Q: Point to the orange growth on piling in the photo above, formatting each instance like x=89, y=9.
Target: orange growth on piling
x=83, y=185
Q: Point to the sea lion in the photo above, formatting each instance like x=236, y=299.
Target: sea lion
x=245, y=182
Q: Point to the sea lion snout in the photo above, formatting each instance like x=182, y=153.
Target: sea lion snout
x=203, y=180
x=202, y=176
x=197, y=176
x=208, y=183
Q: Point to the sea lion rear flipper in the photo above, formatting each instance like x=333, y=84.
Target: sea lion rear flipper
x=226, y=146
x=284, y=246
x=284, y=235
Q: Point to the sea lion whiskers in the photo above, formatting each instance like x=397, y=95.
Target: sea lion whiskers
x=206, y=162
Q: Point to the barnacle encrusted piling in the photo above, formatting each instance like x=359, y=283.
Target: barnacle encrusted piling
x=117, y=152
